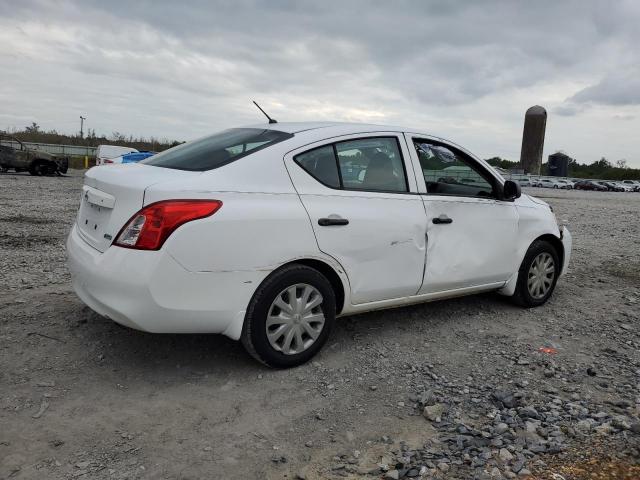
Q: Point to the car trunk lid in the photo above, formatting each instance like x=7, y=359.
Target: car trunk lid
x=112, y=194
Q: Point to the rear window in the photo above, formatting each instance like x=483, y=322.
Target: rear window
x=217, y=150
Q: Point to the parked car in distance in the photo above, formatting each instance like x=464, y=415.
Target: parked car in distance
x=133, y=157
x=635, y=184
x=624, y=186
x=611, y=186
x=15, y=155
x=106, y=153
x=565, y=183
x=549, y=183
x=589, y=185
x=524, y=182
x=535, y=182
x=255, y=233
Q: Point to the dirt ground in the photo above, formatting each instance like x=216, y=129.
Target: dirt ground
x=81, y=397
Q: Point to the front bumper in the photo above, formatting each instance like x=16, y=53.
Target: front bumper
x=151, y=291
x=565, y=237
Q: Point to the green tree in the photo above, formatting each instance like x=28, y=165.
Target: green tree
x=622, y=163
x=33, y=128
x=502, y=163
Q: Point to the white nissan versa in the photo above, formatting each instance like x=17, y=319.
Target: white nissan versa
x=267, y=233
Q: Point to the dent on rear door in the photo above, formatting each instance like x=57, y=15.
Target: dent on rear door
x=383, y=247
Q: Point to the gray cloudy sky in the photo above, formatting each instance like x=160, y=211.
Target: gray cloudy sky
x=466, y=71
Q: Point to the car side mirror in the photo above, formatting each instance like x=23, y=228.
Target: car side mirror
x=511, y=190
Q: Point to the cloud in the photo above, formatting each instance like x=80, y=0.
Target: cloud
x=568, y=109
x=618, y=88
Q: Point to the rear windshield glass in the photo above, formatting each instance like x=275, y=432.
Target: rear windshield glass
x=217, y=150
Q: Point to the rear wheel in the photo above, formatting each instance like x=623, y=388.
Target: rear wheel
x=289, y=317
x=538, y=275
x=38, y=168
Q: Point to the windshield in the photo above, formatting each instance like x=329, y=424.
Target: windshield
x=217, y=150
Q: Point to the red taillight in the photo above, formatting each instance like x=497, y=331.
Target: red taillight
x=108, y=161
x=150, y=227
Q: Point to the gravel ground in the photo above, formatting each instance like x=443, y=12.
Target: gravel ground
x=453, y=389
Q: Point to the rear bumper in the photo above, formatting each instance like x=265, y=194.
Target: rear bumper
x=151, y=291
x=565, y=237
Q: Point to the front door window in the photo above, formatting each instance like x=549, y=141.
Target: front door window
x=448, y=172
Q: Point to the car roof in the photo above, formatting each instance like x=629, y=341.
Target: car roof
x=322, y=130
x=334, y=127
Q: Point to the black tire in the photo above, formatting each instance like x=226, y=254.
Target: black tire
x=63, y=166
x=522, y=296
x=254, y=332
x=38, y=168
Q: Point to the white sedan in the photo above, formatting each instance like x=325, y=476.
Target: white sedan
x=634, y=184
x=550, y=183
x=266, y=234
x=565, y=184
x=625, y=186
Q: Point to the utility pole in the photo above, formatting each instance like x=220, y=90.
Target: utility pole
x=82, y=119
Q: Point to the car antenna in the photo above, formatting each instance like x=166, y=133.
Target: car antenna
x=271, y=120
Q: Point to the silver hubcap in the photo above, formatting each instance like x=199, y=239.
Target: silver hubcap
x=541, y=275
x=295, y=319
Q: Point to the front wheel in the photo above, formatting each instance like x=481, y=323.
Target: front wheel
x=538, y=275
x=289, y=317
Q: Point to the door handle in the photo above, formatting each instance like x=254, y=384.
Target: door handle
x=327, y=222
x=442, y=219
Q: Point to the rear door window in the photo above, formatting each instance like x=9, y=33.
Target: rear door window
x=372, y=164
x=320, y=163
x=368, y=164
x=217, y=150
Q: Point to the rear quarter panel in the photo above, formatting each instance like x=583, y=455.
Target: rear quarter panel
x=261, y=224
x=251, y=231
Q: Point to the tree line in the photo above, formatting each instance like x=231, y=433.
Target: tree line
x=33, y=133
x=601, y=169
